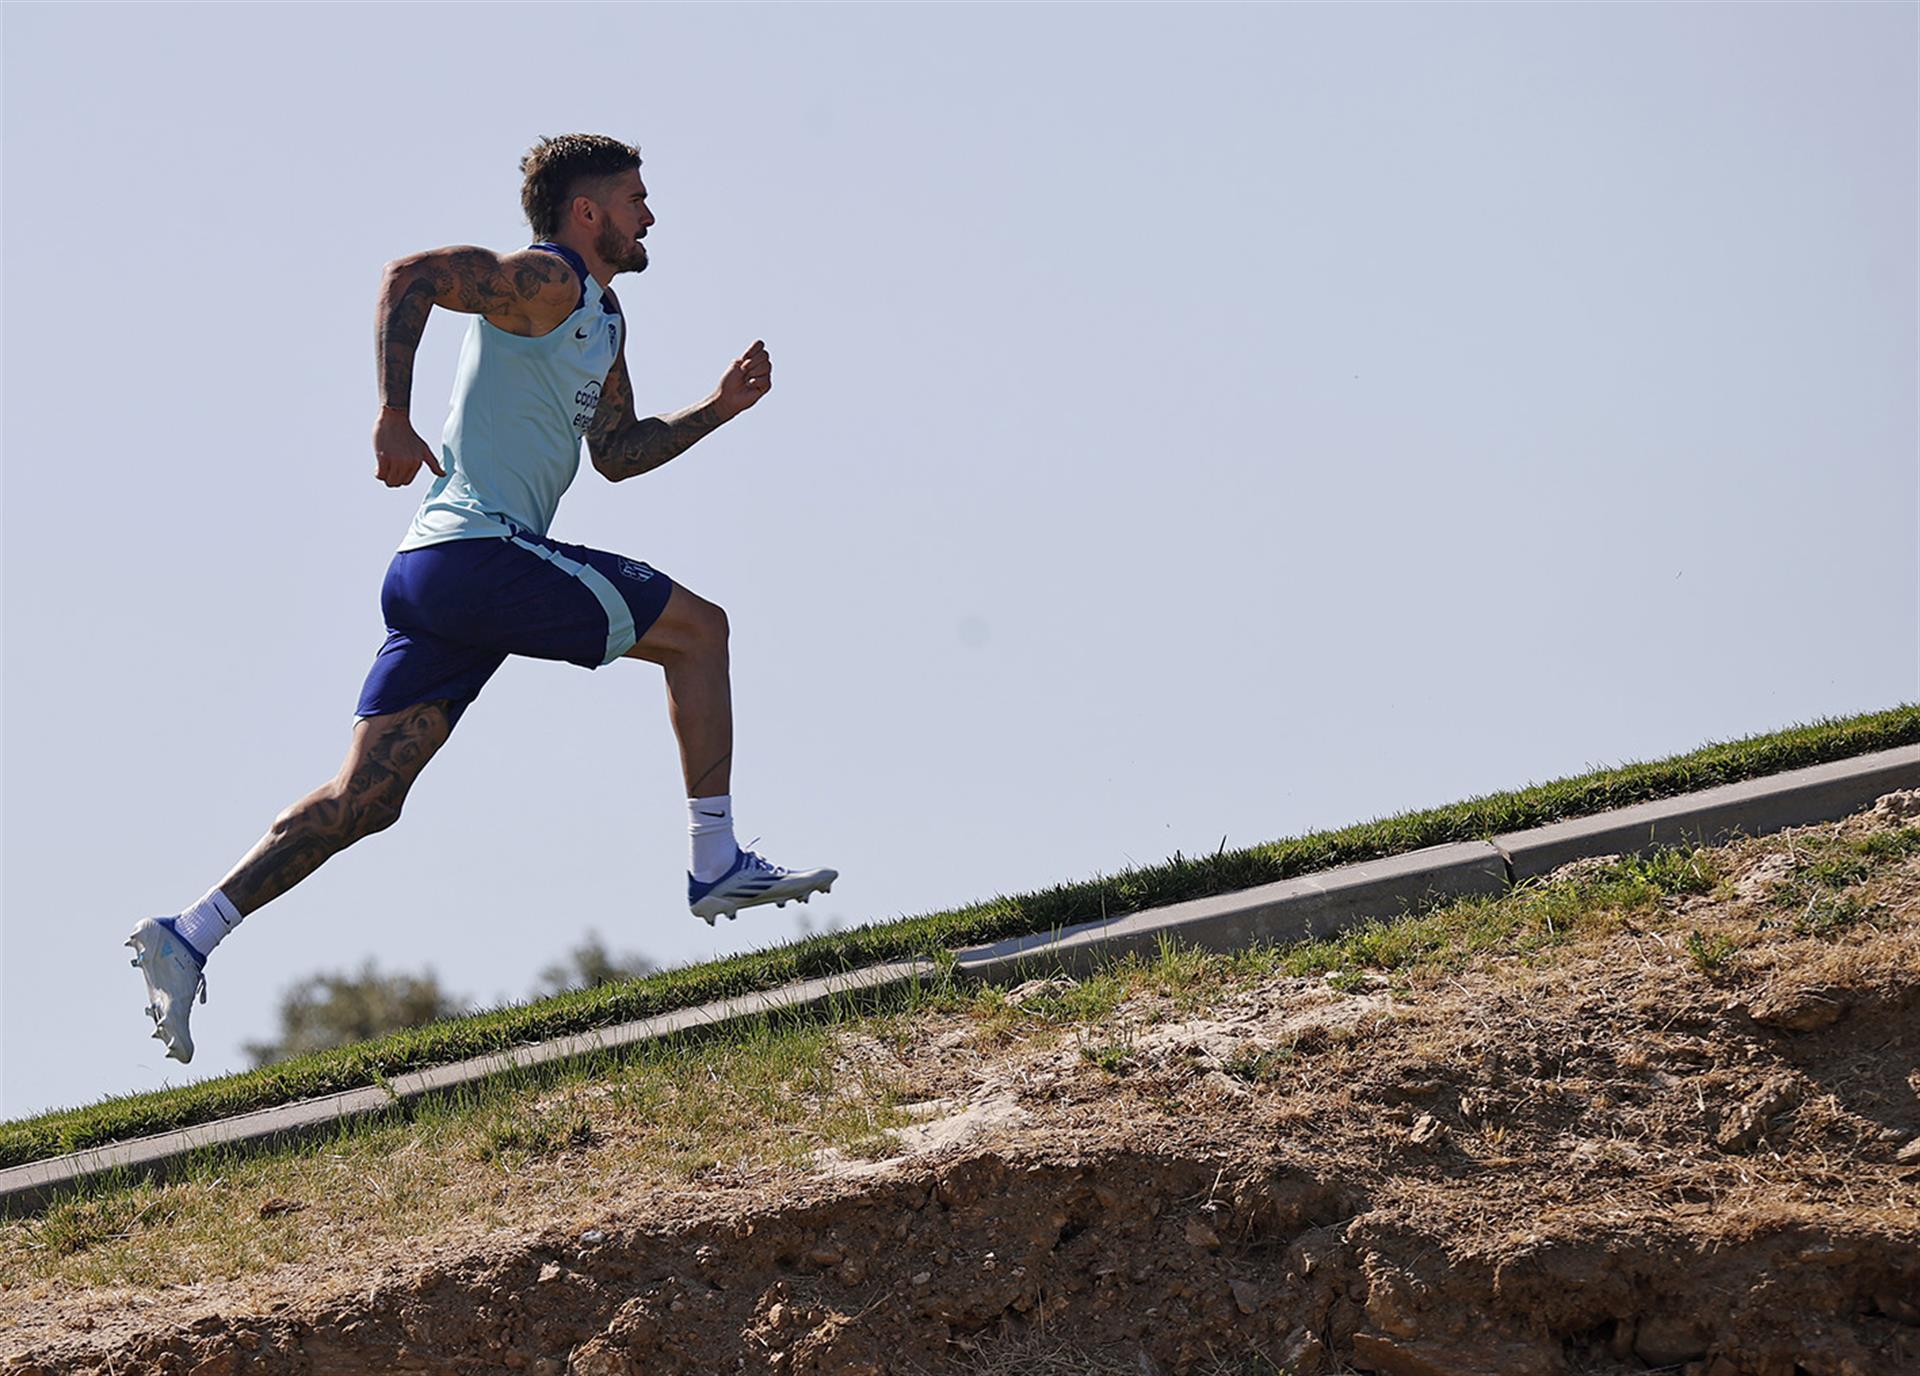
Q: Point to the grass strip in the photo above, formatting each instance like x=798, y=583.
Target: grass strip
x=117, y=1118
x=777, y=1087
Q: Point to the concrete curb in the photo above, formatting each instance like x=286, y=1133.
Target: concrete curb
x=1319, y=905
x=1312, y=905
x=36, y=1184
x=1798, y=798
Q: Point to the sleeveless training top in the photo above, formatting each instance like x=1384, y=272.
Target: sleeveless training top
x=511, y=447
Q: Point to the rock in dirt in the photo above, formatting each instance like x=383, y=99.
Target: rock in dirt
x=1897, y=807
x=1805, y=1009
x=1304, y=1353
x=1200, y=1235
x=1670, y=1339
x=1400, y=1357
x=1748, y=1123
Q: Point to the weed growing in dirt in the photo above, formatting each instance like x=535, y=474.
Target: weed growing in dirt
x=515, y=1133
x=1261, y=1065
x=80, y=1224
x=1713, y=955
x=1089, y=1000
x=1887, y=846
x=1821, y=892
x=1112, y=1057
x=1180, y=973
x=1827, y=915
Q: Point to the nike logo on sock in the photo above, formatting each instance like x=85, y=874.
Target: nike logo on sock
x=712, y=814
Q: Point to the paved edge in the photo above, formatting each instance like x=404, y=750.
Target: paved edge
x=1311, y=905
x=1801, y=797
x=36, y=1184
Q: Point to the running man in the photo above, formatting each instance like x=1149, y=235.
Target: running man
x=477, y=577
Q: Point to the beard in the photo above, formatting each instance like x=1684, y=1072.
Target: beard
x=621, y=253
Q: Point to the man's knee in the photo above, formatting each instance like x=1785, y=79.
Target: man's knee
x=689, y=627
x=717, y=628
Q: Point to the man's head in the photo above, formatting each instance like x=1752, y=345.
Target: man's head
x=585, y=190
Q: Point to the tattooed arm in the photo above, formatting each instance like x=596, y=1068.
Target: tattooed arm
x=526, y=293
x=624, y=447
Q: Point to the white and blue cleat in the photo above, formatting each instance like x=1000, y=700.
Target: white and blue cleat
x=174, y=973
x=752, y=880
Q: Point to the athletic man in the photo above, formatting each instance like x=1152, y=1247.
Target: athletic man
x=477, y=577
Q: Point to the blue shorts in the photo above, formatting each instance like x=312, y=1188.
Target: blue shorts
x=456, y=610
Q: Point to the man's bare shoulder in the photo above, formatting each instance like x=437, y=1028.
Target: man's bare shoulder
x=526, y=292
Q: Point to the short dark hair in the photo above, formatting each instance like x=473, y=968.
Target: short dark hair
x=555, y=167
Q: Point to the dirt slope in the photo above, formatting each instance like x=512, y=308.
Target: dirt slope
x=1691, y=1145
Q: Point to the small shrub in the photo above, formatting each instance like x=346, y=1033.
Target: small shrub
x=1828, y=914
x=1714, y=955
x=76, y=1225
x=1113, y=1057
x=1261, y=1066
x=1890, y=845
x=523, y=1132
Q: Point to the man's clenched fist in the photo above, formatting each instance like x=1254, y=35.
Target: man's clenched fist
x=749, y=379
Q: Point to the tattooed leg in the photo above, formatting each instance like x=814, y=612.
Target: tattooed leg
x=689, y=641
x=387, y=754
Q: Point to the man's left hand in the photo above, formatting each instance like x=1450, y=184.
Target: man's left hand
x=749, y=379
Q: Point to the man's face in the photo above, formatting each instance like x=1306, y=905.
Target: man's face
x=624, y=217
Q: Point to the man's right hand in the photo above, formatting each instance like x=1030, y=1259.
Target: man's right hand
x=398, y=449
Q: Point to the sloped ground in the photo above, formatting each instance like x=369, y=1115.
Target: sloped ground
x=1683, y=1136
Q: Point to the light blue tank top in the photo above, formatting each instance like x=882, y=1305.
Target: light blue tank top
x=511, y=446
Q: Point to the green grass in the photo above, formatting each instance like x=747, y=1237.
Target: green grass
x=120, y=1117
x=769, y=1091
x=779, y=1087
x=1714, y=955
x=1815, y=893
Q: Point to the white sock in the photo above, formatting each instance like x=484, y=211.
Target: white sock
x=206, y=924
x=710, y=829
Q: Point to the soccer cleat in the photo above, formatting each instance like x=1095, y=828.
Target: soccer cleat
x=753, y=880
x=174, y=974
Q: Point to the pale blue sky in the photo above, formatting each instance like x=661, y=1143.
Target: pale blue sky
x=1188, y=422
